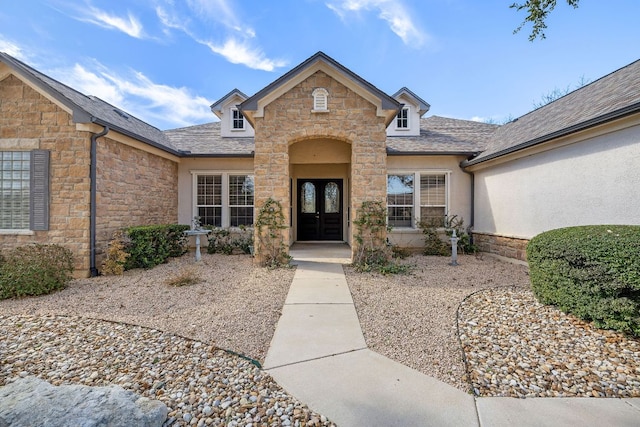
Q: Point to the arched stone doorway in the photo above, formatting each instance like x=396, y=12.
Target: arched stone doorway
x=320, y=169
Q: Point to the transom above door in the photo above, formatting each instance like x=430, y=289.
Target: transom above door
x=320, y=209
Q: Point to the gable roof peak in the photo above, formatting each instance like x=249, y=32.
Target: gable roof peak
x=423, y=105
x=319, y=61
x=216, y=106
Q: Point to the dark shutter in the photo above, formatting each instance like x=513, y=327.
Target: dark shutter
x=39, y=201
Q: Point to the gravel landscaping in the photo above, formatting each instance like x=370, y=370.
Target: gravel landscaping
x=513, y=345
x=165, y=341
x=234, y=304
x=411, y=318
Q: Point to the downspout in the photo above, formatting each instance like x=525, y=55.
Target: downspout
x=93, y=271
x=473, y=202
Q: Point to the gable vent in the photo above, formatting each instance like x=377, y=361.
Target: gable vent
x=320, y=100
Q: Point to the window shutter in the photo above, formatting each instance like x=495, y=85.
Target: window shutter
x=39, y=197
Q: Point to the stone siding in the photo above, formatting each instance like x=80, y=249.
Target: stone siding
x=134, y=188
x=30, y=121
x=509, y=247
x=289, y=119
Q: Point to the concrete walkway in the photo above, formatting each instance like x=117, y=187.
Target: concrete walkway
x=319, y=355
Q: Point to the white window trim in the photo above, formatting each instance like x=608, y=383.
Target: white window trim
x=244, y=119
x=408, y=127
x=416, y=192
x=225, y=221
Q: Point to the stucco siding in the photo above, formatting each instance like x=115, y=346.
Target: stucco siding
x=595, y=181
x=459, y=202
x=190, y=166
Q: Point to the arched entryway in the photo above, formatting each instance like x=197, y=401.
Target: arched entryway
x=320, y=170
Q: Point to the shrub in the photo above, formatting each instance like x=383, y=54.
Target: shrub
x=433, y=243
x=592, y=272
x=152, y=245
x=35, y=270
x=270, y=224
x=230, y=241
x=185, y=277
x=373, y=252
x=116, y=255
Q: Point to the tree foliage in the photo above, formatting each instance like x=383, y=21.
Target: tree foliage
x=537, y=13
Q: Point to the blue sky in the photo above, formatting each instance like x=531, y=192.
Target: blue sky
x=166, y=61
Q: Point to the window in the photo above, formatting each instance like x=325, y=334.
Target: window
x=15, y=190
x=237, y=119
x=209, y=200
x=320, y=100
x=241, y=200
x=224, y=199
x=400, y=200
x=433, y=199
x=308, y=198
x=402, y=119
x=24, y=190
x=407, y=205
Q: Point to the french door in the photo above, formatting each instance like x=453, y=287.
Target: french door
x=320, y=209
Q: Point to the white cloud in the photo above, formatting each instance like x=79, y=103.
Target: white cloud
x=222, y=12
x=238, y=47
x=129, y=25
x=239, y=52
x=160, y=105
x=12, y=49
x=391, y=11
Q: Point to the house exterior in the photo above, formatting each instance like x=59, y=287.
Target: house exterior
x=575, y=161
x=320, y=140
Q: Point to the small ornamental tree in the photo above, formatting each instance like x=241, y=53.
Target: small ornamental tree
x=270, y=248
x=372, y=250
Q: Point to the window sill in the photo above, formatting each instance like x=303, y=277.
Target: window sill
x=320, y=111
x=16, y=232
x=238, y=130
x=405, y=230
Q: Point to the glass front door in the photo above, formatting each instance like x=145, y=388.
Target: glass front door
x=319, y=209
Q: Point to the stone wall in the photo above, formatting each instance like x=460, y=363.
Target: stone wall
x=509, y=247
x=30, y=121
x=289, y=119
x=134, y=188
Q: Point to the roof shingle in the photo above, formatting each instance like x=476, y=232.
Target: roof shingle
x=613, y=95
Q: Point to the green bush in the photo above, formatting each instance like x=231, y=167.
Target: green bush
x=152, y=245
x=230, y=241
x=35, y=270
x=435, y=245
x=592, y=272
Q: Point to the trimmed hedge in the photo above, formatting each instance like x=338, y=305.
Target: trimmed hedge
x=152, y=245
x=35, y=269
x=592, y=272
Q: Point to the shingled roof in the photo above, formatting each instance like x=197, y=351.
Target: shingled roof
x=206, y=141
x=442, y=135
x=91, y=109
x=613, y=96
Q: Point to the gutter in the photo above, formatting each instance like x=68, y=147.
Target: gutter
x=93, y=271
x=107, y=125
x=473, y=201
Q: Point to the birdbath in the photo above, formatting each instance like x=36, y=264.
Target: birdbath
x=197, y=231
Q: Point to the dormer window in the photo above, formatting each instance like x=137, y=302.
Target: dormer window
x=402, y=120
x=320, y=100
x=237, y=119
